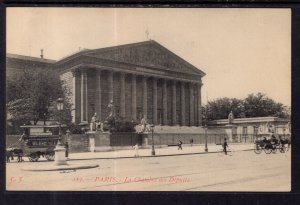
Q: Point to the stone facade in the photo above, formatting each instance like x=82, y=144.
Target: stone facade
x=256, y=125
x=143, y=79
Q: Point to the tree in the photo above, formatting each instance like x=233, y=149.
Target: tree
x=255, y=105
x=32, y=95
x=220, y=108
x=260, y=105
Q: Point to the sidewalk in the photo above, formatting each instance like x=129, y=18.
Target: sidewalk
x=159, y=152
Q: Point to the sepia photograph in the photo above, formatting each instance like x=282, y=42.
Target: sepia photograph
x=148, y=99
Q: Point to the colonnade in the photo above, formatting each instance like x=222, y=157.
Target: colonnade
x=194, y=98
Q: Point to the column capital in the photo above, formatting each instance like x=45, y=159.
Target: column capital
x=154, y=78
x=165, y=80
x=111, y=72
x=183, y=83
x=82, y=70
x=192, y=85
x=99, y=72
x=75, y=72
x=145, y=77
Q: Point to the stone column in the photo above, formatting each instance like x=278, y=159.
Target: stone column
x=76, y=99
x=165, y=104
x=110, y=86
x=191, y=87
x=84, y=102
x=195, y=105
x=133, y=97
x=145, y=106
x=154, y=101
x=182, y=104
x=122, y=99
x=174, y=121
x=98, y=96
x=199, y=105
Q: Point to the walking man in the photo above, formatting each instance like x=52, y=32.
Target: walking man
x=179, y=145
x=225, y=145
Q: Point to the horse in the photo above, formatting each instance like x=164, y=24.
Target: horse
x=285, y=141
x=11, y=152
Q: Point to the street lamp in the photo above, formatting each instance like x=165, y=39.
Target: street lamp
x=44, y=121
x=152, y=130
x=60, y=107
x=60, y=150
x=206, y=128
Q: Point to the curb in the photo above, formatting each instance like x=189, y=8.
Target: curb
x=64, y=167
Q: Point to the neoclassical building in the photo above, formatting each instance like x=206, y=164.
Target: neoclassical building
x=142, y=79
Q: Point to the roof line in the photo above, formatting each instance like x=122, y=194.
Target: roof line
x=24, y=57
x=148, y=42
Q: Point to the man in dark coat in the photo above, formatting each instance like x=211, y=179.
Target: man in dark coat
x=225, y=145
x=179, y=145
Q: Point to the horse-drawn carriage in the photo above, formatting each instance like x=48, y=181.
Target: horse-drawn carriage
x=36, y=142
x=271, y=144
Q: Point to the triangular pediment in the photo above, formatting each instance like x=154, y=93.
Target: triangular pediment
x=148, y=53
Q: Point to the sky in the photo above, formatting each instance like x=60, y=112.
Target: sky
x=242, y=51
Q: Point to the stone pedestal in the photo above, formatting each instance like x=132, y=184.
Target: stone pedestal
x=231, y=131
x=60, y=155
x=99, y=141
x=92, y=143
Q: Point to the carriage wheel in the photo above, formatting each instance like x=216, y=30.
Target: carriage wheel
x=274, y=150
x=257, y=149
x=33, y=157
x=50, y=156
x=282, y=149
x=267, y=150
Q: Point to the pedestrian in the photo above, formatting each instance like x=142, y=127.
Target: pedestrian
x=179, y=145
x=191, y=141
x=225, y=145
x=136, y=150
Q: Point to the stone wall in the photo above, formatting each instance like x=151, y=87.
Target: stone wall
x=78, y=143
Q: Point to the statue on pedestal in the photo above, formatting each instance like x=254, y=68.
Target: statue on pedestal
x=230, y=118
x=111, y=108
x=94, y=123
x=109, y=123
x=143, y=124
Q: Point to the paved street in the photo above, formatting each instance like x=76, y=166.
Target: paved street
x=243, y=171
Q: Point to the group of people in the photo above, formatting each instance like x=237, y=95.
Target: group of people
x=273, y=141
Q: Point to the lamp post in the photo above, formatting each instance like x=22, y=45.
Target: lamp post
x=205, y=128
x=60, y=150
x=60, y=107
x=152, y=130
x=44, y=121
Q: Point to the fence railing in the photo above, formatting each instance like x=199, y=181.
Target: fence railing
x=80, y=142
